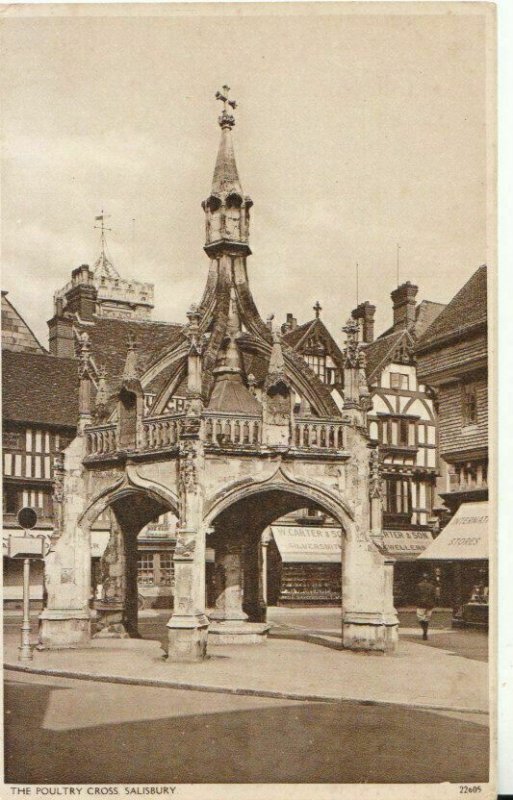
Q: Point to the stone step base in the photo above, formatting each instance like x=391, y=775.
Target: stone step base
x=237, y=633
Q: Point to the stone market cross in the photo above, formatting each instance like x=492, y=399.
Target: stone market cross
x=260, y=436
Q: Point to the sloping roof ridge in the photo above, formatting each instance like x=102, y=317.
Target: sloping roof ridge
x=431, y=302
x=431, y=331
x=4, y=295
x=398, y=335
x=309, y=326
x=35, y=354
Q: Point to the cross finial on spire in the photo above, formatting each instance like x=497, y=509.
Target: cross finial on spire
x=317, y=308
x=226, y=120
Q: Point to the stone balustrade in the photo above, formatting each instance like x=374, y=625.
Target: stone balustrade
x=319, y=433
x=224, y=429
x=101, y=439
x=161, y=432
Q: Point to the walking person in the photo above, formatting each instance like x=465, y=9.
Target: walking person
x=426, y=601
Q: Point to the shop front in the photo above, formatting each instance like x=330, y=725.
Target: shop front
x=405, y=546
x=303, y=565
x=463, y=543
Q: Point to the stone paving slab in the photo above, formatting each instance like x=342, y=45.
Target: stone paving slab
x=415, y=676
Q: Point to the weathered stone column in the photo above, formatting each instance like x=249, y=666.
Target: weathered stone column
x=188, y=626
x=229, y=579
x=239, y=616
x=110, y=610
x=66, y=619
x=130, y=618
x=369, y=621
x=266, y=538
x=253, y=597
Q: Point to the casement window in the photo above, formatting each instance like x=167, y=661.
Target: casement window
x=469, y=404
x=145, y=571
x=155, y=569
x=166, y=569
x=403, y=432
x=318, y=365
x=397, y=497
x=399, y=380
x=40, y=500
x=331, y=376
x=7, y=463
x=11, y=500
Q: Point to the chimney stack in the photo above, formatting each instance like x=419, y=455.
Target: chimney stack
x=81, y=298
x=404, y=305
x=290, y=323
x=364, y=314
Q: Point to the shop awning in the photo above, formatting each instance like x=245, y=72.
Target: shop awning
x=464, y=538
x=301, y=544
x=406, y=545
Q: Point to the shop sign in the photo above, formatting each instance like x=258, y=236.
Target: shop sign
x=406, y=545
x=302, y=544
x=465, y=537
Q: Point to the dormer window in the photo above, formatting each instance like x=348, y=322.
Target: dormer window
x=399, y=380
x=318, y=365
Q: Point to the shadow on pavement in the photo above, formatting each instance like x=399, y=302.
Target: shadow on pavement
x=305, y=742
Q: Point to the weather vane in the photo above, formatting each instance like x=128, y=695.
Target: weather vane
x=103, y=264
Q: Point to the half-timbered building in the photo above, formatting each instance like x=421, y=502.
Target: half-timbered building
x=452, y=357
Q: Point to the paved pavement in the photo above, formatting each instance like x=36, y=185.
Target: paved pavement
x=61, y=731
x=425, y=677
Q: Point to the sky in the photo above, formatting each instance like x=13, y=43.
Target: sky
x=356, y=130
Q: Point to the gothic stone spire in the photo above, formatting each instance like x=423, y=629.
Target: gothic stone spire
x=226, y=208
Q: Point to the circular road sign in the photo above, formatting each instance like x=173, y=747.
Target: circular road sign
x=27, y=518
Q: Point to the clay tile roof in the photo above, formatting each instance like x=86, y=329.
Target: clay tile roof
x=39, y=388
x=109, y=338
x=467, y=309
x=378, y=352
x=294, y=336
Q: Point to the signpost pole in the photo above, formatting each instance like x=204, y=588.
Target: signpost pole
x=26, y=649
x=26, y=547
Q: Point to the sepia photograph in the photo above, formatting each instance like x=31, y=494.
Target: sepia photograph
x=248, y=452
